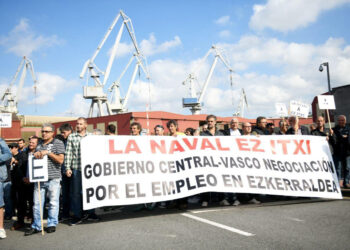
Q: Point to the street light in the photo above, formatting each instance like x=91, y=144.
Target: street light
x=321, y=69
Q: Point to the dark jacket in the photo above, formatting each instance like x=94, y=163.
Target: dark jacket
x=331, y=138
x=259, y=131
x=304, y=131
x=18, y=170
x=342, y=148
x=207, y=133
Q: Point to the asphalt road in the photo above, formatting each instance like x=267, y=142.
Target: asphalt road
x=310, y=224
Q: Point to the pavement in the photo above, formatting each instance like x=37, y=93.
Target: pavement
x=288, y=224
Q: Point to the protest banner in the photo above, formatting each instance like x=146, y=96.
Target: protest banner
x=123, y=170
x=299, y=109
x=38, y=171
x=281, y=109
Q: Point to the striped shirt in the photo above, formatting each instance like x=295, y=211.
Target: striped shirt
x=57, y=147
x=72, y=158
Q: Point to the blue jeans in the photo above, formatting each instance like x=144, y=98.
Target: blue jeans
x=338, y=164
x=2, y=203
x=50, y=188
x=7, y=199
x=76, y=190
x=76, y=201
x=66, y=182
x=347, y=170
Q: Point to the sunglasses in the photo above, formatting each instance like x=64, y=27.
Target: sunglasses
x=46, y=131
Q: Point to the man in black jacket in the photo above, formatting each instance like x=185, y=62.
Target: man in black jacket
x=341, y=155
x=295, y=128
x=322, y=131
x=260, y=128
x=18, y=163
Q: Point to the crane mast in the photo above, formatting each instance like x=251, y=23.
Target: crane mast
x=96, y=92
x=195, y=100
x=9, y=100
x=242, y=103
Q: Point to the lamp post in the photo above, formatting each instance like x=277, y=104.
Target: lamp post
x=321, y=69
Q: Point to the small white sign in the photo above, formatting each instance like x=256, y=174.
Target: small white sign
x=281, y=109
x=299, y=109
x=326, y=102
x=5, y=120
x=38, y=170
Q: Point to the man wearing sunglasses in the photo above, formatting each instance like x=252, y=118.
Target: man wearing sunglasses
x=54, y=150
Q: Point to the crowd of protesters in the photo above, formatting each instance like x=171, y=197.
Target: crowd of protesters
x=63, y=190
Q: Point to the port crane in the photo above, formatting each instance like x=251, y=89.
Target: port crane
x=96, y=93
x=9, y=101
x=194, y=102
x=242, y=103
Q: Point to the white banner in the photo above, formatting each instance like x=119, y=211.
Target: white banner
x=38, y=169
x=122, y=170
x=281, y=109
x=326, y=102
x=299, y=109
x=5, y=120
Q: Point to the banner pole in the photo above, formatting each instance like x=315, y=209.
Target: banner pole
x=41, y=210
x=329, y=120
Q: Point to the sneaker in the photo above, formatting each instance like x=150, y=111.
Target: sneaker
x=224, y=203
x=31, y=231
x=204, y=204
x=75, y=221
x=2, y=233
x=93, y=217
x=51, y=230
x=236, y=203
x=254, y=201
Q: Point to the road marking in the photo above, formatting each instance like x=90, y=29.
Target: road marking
x=215, y=224
x=295, y=219
x=207, y=211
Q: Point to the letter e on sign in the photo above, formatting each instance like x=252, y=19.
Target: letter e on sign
x=37, y=169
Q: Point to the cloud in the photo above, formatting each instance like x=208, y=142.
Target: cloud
x=290, y=73
x=48, y=86
x=222, y=20
x=22, y=40
x=286, y=15
x=225, y=34
x=148, y=47
x=78, y=107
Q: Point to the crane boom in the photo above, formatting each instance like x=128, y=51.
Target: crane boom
x=10, y=100
x=96, y=92
x=195, y=103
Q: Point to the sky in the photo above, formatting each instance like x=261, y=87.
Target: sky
x=275, y=48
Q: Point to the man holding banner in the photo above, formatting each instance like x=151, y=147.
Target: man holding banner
x=54, y=150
